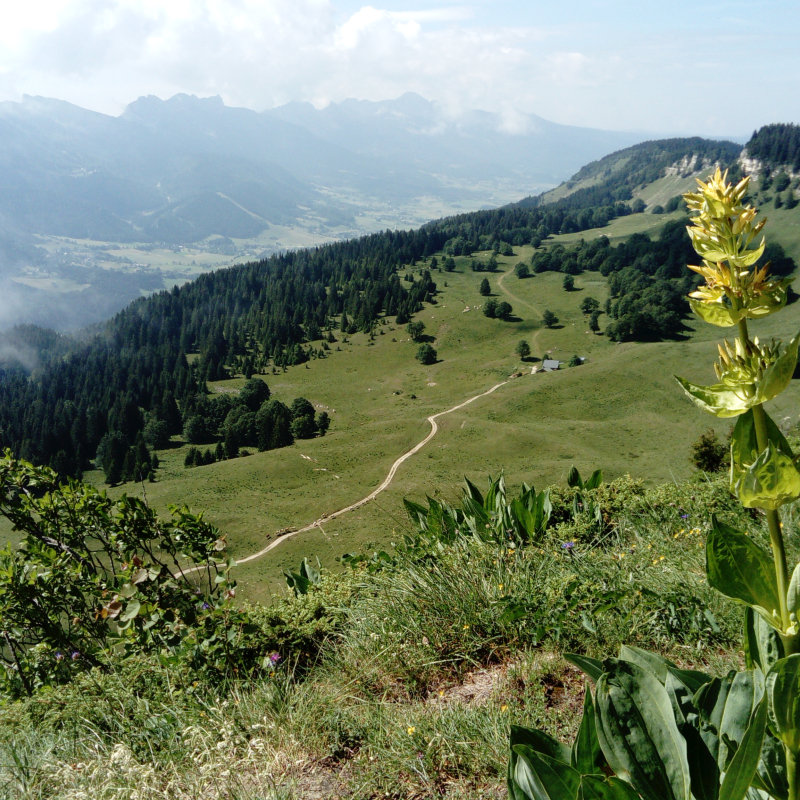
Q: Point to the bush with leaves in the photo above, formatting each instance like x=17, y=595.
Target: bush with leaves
x=426, y=354
x=96, y=580
x=549, y=318
x=709, y=454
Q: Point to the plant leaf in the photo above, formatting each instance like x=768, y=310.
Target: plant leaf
x=574, y=478
x=586, y=756
x=654, y=664
x=770, y=482
x=746, y=692
x=771, y=776
x=591, y=666
x=595, y=788
x=638, y=734
x=762, y=644
x=742, y=768
x=692, y=679
x=715, y=313
x=744, y=444
x=718, y=399
x=783, y=690
x=543, y=778
x=740, y=569
x=594, y=481
x=777, y=376
x=541, y=742
x=703, y=770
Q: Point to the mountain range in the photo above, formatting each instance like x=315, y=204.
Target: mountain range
x=186, y=168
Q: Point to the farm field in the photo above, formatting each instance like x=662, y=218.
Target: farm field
x=621, y=411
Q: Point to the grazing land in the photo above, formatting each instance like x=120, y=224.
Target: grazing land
x=621, y=411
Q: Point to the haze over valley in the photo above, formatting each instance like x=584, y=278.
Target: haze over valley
x=97, y=210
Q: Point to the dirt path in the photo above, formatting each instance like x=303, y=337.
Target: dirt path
x=535, y=348
x=396, y=465
x=384, y=485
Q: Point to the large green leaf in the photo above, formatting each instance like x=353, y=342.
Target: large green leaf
x=740, y=569
x=762, y=643
x=655, y=664
x=744, y=444
x=591, y=666
x=692, y=679
x=715, y=313
x=638, y=733
x=526, y=520
x=541, y=742
x=540, y=777
x=770, y=482
x=703, y=770
x=710, y=701
x=574, y=480
x=771, y=776
x=594, y=481
x=783, y=690
x=595, y=788
x=778, y=375
x=586, y=756
x=474, y=492
x=742, y=768
x=718, y=399
x=744, y=697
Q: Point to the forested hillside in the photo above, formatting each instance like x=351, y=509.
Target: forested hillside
x=149, y=365
x=776, y=145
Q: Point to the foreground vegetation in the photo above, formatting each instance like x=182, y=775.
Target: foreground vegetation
x=402, y=674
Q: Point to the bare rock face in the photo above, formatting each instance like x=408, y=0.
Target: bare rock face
x=754, y=167
x=689, y=165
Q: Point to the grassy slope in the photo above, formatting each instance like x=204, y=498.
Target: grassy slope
x=621, y=411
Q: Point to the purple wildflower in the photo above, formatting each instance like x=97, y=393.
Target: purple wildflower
x=75, y=655
x=567, y=546
x=206, y=606
x=59, y=656
x=684, y=516
x=275, y=658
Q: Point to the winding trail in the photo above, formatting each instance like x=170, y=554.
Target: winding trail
x=535, y=340
x=396, y=465
x=383, y=486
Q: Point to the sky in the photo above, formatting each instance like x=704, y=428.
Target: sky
x=704, y=67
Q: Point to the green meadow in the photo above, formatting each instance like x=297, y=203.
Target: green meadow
x=621, y=410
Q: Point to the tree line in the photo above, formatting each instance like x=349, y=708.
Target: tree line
x=647, y=278
x=776, y=145
x=133, y=372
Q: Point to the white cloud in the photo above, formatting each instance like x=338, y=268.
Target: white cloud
x=259, y=53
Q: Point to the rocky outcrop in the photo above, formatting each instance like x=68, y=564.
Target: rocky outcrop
x=689, y=165
x=754, y=167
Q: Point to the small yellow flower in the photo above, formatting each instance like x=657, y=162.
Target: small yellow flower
x=466, y=627
x=504, y=708
x=499, y=585
x=441, y=692
x=411, y=730
x=662, y=558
